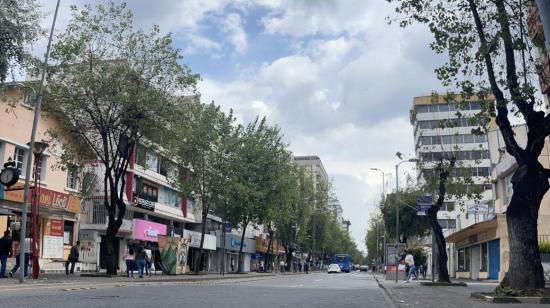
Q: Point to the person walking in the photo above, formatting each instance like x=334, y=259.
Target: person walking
x=140, y=260
x=129, y=259
x=5, y=252
x=73, y=258
x=424, y=270
x=282, y=266
x=27, y=255
x=409, y=259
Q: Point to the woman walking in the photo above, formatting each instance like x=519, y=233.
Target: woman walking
x=140, y=260
x=129, y=259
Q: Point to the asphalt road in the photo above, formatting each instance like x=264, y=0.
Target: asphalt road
x=313, y=290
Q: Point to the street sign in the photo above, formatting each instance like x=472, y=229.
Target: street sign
x=422, y=209
x=423, y=203
x=478, y=209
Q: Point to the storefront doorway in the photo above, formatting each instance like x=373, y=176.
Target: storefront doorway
x=494, y=259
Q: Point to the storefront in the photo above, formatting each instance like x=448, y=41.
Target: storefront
x=58, y=224
x=478, y=251
x=232, y=246
x=208, y=246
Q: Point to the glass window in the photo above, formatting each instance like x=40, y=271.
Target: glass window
x=68, y=230
x=432, y=108
x=443, y=107
x=447, y=139
x=452, y=107
x=475, y=106
x=164, y=165
x=468, y=138
x=425, y=140
x=19, y=159
x=480, y=138
x=422, y=108
x=467, y=259
x=483, y=257
x=140, y=155
x=152, y=161
x=461, y=259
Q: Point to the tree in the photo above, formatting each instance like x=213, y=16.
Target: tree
x=203, y=143
x=376, y=228
x=259, y=157
x=111, y=87
x=19, y=28
x=410, y=224
x=489, y=52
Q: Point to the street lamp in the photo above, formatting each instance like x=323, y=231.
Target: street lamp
x=410, y=160
x=38, y=150
x=32, y=142
x=383, y=181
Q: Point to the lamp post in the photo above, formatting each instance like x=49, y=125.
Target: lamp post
x=37, y=104
x=383, y=181
x=38, y=150
x=411, y=160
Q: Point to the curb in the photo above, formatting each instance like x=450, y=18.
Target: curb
x=444, y=284
x=510, y=299
x=393, y=301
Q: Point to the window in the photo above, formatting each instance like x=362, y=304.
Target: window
x=28, y=98
x=71, y=177
x=140, y=155
x=68, y=230
x=152, y=161
x=19, y=159
x=461, y=258
x=447, y=223
x=443, y=108
x=149, y=192
x=475, y=106
x=483, y=257
x=448, y=206
x=467, y=259
x=171, y=197
x=422, y=109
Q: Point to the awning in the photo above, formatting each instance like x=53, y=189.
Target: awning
x=471, y=230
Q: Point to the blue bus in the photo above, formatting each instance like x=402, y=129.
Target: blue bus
x=343, y=260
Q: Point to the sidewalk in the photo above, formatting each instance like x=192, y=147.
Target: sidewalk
x=414, y=294
x=77, y=278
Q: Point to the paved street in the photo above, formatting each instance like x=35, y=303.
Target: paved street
x=313, y=290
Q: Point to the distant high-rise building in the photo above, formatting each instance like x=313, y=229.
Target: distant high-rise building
x=314, y=167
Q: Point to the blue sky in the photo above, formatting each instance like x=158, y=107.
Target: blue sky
x=332, y=73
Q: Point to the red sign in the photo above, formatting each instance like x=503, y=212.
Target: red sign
x=56, y=227
x=49, y=198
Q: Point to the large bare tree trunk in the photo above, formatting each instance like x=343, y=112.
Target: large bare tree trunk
x=443, y=273
x=525, y=268
x=240, y=268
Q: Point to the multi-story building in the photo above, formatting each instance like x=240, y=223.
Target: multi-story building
x=345, y=225
x=314, y=167
x=59, y=201
x=439, y=132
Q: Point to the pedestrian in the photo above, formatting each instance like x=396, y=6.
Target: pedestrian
x=73, y=258
x=140, y=260
x=148, y=262
x=300, y=266
x=27, y=255
x=306, y=267
x=5, y=252
x=232, y=264
x=282, y=266
x=261, y=265
x=129, y=259
x=409, y=259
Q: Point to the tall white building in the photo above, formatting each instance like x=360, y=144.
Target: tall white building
x=435, y=139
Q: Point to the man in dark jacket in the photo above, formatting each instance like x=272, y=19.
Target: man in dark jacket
x=73, y=258
x=5, y=252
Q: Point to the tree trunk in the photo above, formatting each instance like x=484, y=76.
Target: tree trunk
x=443, y=273
x=240, y=268
x=269, y=255
x=288, y=254
x=198, y=256
x=525, y=268
x=111, y=258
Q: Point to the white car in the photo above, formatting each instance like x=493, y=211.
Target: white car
x=334, y=268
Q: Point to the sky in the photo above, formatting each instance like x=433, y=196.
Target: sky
x=333, y=74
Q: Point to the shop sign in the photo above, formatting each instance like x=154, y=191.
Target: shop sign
x=147, y=231
x=89, y=235
x=194, y=239
x=56, y=227
x=48, y=198
x=144, y=203
x=233, y=242
x=52, y=247
x=478, y=209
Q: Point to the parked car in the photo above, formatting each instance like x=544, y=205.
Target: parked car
x=363, y=268
x=334, y=268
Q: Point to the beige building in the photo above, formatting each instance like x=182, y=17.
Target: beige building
x=59, y=201
x=482, y=249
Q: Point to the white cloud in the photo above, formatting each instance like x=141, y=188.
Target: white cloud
x=237, y=35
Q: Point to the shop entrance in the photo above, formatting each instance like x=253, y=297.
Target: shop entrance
x=476, y=257
x=494, y=259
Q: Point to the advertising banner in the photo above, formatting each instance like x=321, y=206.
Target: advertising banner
x=169, y=247
x=48, y=198
x=147, y=231
x=56, y=227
